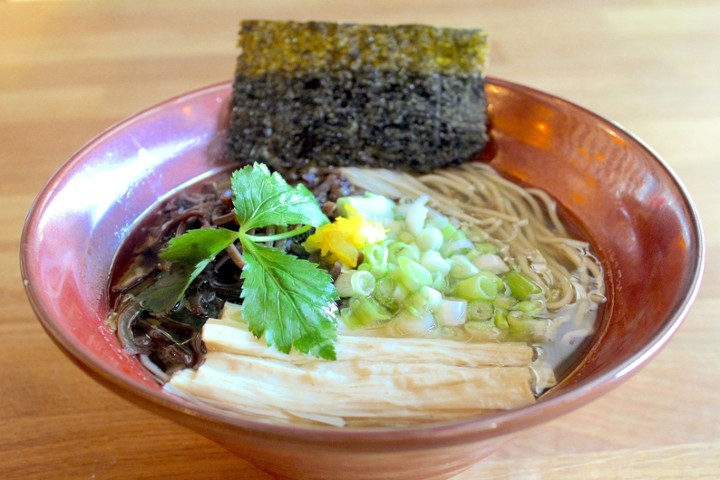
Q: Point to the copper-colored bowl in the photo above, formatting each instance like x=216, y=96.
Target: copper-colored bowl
x=627, y=200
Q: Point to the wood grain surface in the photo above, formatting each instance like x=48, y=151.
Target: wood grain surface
x=70, y=69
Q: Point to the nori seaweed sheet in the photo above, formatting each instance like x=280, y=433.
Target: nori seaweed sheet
x=327, y=94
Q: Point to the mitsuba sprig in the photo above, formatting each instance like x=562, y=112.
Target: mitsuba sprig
x=287, y=300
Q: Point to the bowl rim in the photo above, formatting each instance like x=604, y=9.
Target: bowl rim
x=375, y=438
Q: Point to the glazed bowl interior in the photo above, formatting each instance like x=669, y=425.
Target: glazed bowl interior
x=621, y=195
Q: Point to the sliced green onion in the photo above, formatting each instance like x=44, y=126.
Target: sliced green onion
x=408, y=324
x=434, y=262
x=483, y=330
x=480, y=310
x=376, y=258
x=416, y=304
x=433, y=296
x=505, y=301
x=395, y=228
x=399, y=293
x=407, y=237
x=364, y=266
x=500, y=319
x=516, y=318
x=373, y=207
x=436, y=220
x=451, y=311
x=486, y=247
x=355, y=283
x=404, y=249
x=440, y=282
x=411, y=274
x=528, y=307
x=461, y=267
x=364, y=312
x=450, y=233
x=520, y=285
x=430, y=238
x=481, y=286
x=523, y=325
x=384, y=292
x=416, y=214
x=461, y=246
x=490, y=262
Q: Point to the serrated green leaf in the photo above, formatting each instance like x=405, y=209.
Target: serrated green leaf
x=288, y=300
x=262, y=199
x=194, y=246
x=189, y=254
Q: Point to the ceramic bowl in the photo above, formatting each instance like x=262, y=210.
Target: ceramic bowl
x=638, y=215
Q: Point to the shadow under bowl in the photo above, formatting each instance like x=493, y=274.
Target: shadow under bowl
x=637, y=214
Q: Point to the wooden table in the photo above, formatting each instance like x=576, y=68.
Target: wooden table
x=69, y=69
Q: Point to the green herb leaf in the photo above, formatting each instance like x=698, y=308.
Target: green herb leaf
x=289, y=300
x=195, y=246
x=189, y=254
x=262, y=198
x=169, y=288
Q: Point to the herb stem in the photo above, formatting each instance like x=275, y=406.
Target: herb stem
x=235, y=255
x=279, y=236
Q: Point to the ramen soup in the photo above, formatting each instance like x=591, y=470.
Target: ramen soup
x=357, y=296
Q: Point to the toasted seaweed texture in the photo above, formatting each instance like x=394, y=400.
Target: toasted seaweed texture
x=328, y=94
